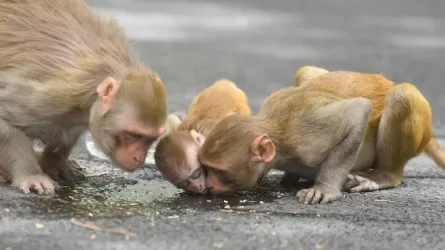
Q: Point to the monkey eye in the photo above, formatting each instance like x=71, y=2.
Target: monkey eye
x=134, y=135
x=197, y=173
x=183, y=184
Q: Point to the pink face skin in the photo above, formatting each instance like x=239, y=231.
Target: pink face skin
x=195, y=183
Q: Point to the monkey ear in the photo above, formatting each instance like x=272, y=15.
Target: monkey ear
x=231, y=113
x=107, y=90
x=263, y=149
x=172, y=123
x=198, y=137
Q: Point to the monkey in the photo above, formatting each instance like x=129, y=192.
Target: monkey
x=333, y=124
x=387, y=167
x=176, y=152
x=65, y=69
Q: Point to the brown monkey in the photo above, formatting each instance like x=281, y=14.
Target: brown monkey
x=399, y=133
x=322, y=131
x=63, y=70
x=176, y=155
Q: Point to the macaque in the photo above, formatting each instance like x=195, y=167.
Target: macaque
x=341, y=130
x=395, y=141
x=176, y=155
x=65, y=69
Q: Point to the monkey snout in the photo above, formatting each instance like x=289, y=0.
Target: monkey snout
x=131, y=165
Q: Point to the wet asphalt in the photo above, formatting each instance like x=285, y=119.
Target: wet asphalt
x=259, y=44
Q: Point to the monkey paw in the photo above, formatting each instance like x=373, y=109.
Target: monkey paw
x=318, y=194
x=63, y=170
x=41, y=183
x=356, y=183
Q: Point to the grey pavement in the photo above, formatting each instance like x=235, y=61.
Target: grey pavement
x=259, y=44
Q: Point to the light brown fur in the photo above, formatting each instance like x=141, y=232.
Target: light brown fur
x=332, y=124
x=64, y=69
x=176, y=153
x=408, y=116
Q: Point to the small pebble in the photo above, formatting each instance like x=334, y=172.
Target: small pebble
x=218, y=245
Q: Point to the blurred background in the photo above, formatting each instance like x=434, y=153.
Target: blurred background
x=260, y=44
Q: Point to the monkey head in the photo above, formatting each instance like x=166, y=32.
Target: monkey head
x=235, y=154
x=176, y=157
x=128, y=116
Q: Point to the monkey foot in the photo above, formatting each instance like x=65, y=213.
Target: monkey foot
x=317, y=194
x=40, y=183
x=64, y=170
x=356, y=183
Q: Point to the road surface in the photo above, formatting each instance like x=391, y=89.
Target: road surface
x=259, y=44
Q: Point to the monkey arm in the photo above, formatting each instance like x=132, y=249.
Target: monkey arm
x=54, y=158
x=349, y=122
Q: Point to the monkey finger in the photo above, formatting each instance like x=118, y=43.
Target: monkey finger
x=72, y=174
x=309, y=196
x=301, y=195
x=365, y=187
x=49, y=187
x=351, y=182
x=317, y=197
x=37, y=187
x=25, y=189
x=329, y=197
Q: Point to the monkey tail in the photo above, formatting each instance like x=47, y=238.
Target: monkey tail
x=436, y=152
x=307, y=73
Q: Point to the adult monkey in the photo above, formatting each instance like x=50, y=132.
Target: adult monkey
x=63, y=70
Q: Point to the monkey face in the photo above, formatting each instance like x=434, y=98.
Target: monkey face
x=234, y=155
x=126, y=148
x=195, y=183
x=125, y=120
x=227, y=178
x=176, y=157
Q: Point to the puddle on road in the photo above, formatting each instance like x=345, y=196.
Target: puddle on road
x=117, y=197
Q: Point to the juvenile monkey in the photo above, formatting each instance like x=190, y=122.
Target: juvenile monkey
x=398, y=133
x=334, y=123
x=176, y=155
x=63, y=70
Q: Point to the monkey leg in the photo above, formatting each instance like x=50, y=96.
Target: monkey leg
x=55, y=163
x=341, y=159
x=19, y=164
x=306, y=73
x=404, y=131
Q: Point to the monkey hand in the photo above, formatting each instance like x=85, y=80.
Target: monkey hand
x=318, y=193
x=41, y=183
x=371, y=180
x=61, y=169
